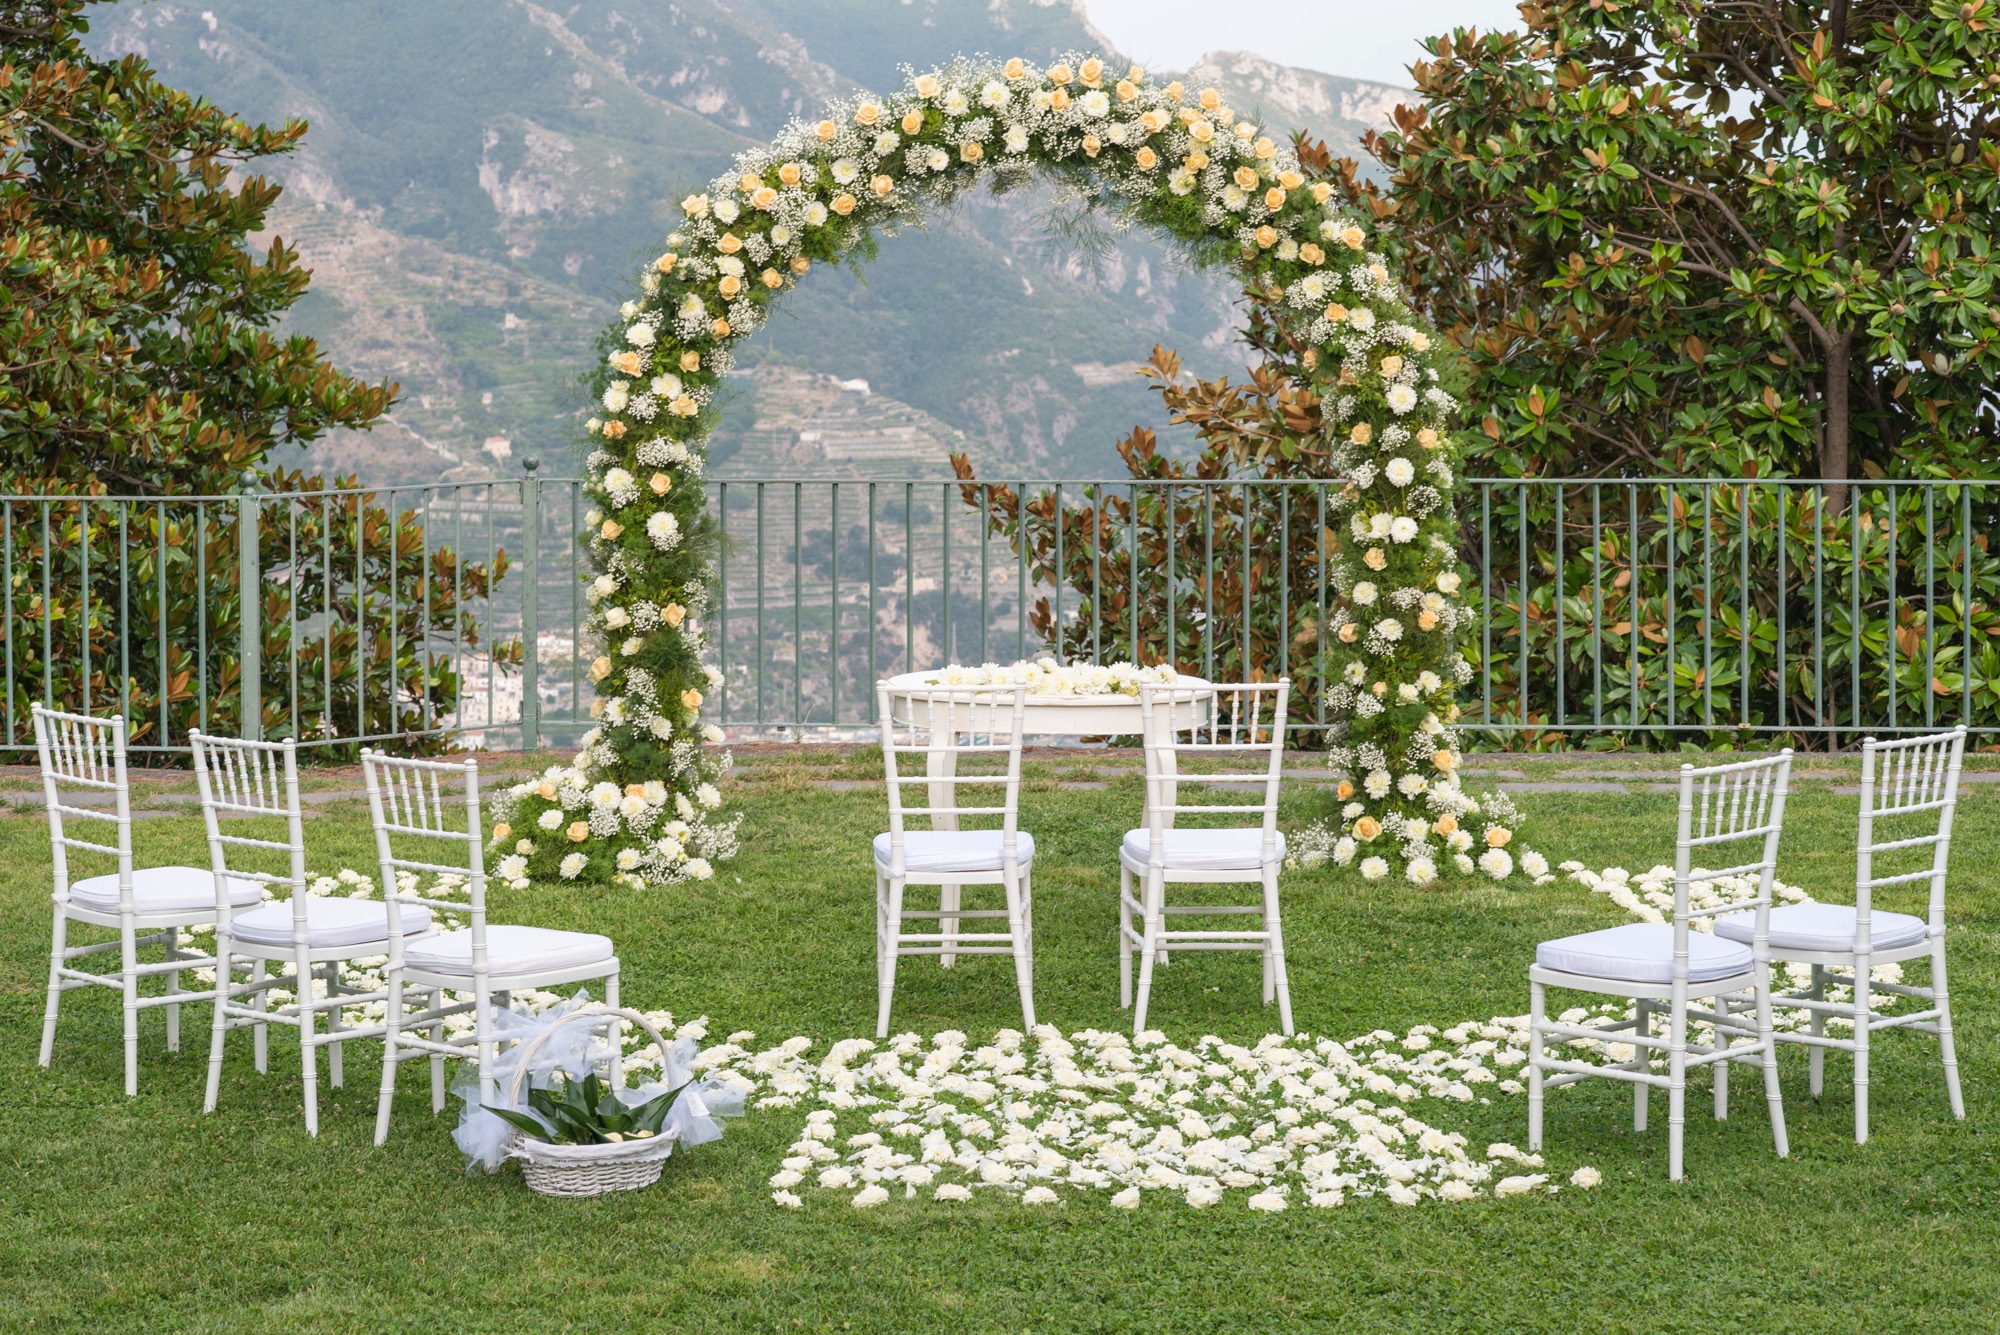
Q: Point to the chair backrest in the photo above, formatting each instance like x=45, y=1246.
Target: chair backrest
x=945, y=725
x=251, y=779
x=1743, y=802
x=1222, y=721
x=413, y=800
x=88, y=754
x=1907, y=778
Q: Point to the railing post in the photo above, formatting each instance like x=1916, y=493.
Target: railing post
x=250, y=594
x=531, y=658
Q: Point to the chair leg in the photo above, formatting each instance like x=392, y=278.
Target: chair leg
x=1941, y=997
x=948, y=899
x=1642, y=1060
x=219, y=1029
x=1676, y=1084
x=1816, y=1063
x=173, y=987
x=392, y=1019
x=302, y=999
x=1017, y=931
x=1028, y=919
x=58, y=943
x=1537, y=1011
x=617, y=1031
x=260, y=1038
x=1862, y=1015
x=336, y=1071
x=885, y=978
x=129, y=954
x=1124, y=941
x=437, y=1059
x=1155, y=924
x=1276, y=984
x=1774, y=1097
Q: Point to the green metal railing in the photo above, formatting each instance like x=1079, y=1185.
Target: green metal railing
x=1660, y=612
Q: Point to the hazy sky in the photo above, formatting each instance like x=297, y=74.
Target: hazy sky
x=1363, y=39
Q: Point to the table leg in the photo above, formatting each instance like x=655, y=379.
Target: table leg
x=943, y=798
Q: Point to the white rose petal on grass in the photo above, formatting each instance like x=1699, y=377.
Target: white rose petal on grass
x=1040, y=1196
x=1127, y=1199
x=869, y=1196
x=786, y=1199
x=1269, y=1201
x=1203, y=1197
x=952, y=1191
x=1402, y=1195
x=1585, y=1176
x=1457, y=1190
x=1520, y=1186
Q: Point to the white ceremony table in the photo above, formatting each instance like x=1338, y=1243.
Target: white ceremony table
x=1044, y=716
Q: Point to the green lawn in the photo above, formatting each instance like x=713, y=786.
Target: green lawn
x=147, y=1214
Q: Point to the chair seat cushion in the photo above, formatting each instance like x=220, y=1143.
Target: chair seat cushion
x=509, y=950
x=330, y=923
x=929, y=851
x=163, y=890
x=1825, y=927
x=1203, y=850
x=1642, y=952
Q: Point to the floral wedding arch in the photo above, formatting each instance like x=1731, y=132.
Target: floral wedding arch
x=639, y=805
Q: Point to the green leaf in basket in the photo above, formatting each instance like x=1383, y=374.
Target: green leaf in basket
x=520, y=1121
x=650, y=1115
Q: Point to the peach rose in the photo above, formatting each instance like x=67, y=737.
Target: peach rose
x=1059, y=74
x=868, y=113
x=719, y=327
x=1059, y=100
x=771, y=278
x=690, y=361
x=730, y=285
x=1267, y=236
x=612, y=528
x=614, y=430
x=1344, y=791
x=1017, y=68
x=1362, y=433
x=1349, y=633
x=546, y=789
x=1445, y=824
x=502, y=830
x=1264, y=148
x=729, y=243
x=913, y=122
x=1321, y=192
x=1443, y=760
x=1092, y=145
x=1427, y=620
x=1209, y=99
x=635, y=790
x=843, y=204
x=666, y=262
x=1312, y=254
x=1146, y=159
x=1091, y=72
x=1427, y=438
x=661, y=484
x=1499, y=837
x=1127, y=90
x=600, y=669
x=673, y=614
x=825, y=130
x=927, y=85
x=790, y=174
x=971, y=152
x=751, y=181
x=1353, y=238
x=1274, y=199
x=1335, y=313
x=1194, y=162
x=627, y=363
x=1176, y=90
x=1246, y=177
x=691, y=698
x=765, y=198
x=800, y=264
x=579, y=830
x=882, y=185
x=1289, y=180
x=1367, y=828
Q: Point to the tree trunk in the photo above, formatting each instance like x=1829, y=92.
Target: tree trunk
x=1834, y=420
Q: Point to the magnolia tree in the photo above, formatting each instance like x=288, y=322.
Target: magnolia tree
x=638, y=803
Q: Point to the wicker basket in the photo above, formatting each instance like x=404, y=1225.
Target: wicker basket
x=588, y=1170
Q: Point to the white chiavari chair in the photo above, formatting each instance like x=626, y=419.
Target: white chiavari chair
x=1901, y=782
x=945, y=725
x=314, y=934
x=1675, y=964
x=411, y=803
x=1225, y=722
x=146, y=906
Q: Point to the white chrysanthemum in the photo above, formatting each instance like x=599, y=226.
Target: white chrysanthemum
x=513, y=868
x=1400, y=472
x=1361, y=318
x=1534, y=864
x=615, y=395
x=1376, y=785
x=641, y=335
x=573, y=865
x=1389, y=629
x=663, y=530
x=993, y=95
x=1497, y=863
x=1402, y=529
x=1374, y=869
x=1343, y=851
x=699, y=869
x=1411, y=785
x=1421, y=871
x=1095, y=103
x=1364, y=595
x=550, y=819
x=1401, y=398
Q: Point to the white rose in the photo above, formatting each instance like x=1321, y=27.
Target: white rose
x=1400, y=472
x=1343, y=851
x=617, y=618
x=1534, y=864
x=615, y=395
x=666, y=387
x=1380, y=524
x=1448, y=582
x=1016, y=140
x=550, y=819
x=513, y=868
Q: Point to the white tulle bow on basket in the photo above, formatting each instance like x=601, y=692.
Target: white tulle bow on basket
x=559, y=1040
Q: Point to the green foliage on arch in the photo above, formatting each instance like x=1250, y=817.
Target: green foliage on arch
x=636, y=804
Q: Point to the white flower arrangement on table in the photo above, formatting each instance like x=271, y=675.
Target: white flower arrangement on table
x=1047, y=677
x=1176, y=160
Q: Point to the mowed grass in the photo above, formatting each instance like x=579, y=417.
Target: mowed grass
x=146, y=1214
